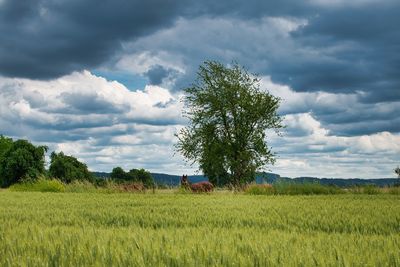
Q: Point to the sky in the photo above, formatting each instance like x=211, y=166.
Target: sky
x=103, y=80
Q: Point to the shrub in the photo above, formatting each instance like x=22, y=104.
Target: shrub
x=40, y=185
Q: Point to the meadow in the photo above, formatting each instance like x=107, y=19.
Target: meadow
x=219, y=229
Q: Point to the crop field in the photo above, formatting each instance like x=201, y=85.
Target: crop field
x=99, y=229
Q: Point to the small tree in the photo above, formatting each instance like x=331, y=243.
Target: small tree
x=134, y=175
x=118, y=174
x=68, y=168
x=20, y=160
x=229, y=115
x=143, y=176
x=397, y=171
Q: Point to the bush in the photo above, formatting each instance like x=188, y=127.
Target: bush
x=40, y=185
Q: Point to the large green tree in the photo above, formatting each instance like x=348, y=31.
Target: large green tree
x=20, y=160
x=5, y=144
x=229, y=115
x=68, y=168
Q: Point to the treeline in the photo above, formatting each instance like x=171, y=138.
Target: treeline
x=21, y=161
x=134, y=175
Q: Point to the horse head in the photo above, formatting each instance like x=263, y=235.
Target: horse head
x=185, y=181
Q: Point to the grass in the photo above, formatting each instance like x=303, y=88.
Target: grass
x=91, y=229
x=292, y=189
x=40, y=185
x=54, y=185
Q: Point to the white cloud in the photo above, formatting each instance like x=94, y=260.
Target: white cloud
x=106, y=125
x=191, y=41
x=141, y=62
x=99, y=121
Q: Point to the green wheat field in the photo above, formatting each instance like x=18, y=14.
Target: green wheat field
x=99, y=229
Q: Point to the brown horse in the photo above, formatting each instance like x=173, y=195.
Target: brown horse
x=203, y=186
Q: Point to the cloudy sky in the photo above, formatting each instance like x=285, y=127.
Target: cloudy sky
x=101, y=80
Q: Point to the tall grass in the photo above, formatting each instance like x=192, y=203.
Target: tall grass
x=81, y=187
x=367, y=189
x=53, y=185
x=40, y=185
x=293, y=189
x=198, y=230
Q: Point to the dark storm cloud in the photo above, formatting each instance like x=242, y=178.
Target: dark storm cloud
x=156, y=74
x=362, y=127
x=343, y=47
x=356, y=46
x=360, y=52
x=47, y=38
x=89, y=103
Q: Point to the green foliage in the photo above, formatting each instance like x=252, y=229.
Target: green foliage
x=68, y=168
x=229, y=115
x=39, y=185
x=198, y=230
x=5, y=144
x=119, y=174
x=143, y=176
x=293, y=189
x=134, y=175
x=20, y=160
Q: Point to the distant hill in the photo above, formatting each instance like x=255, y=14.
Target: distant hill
x=271, y=178
x=347, y=182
